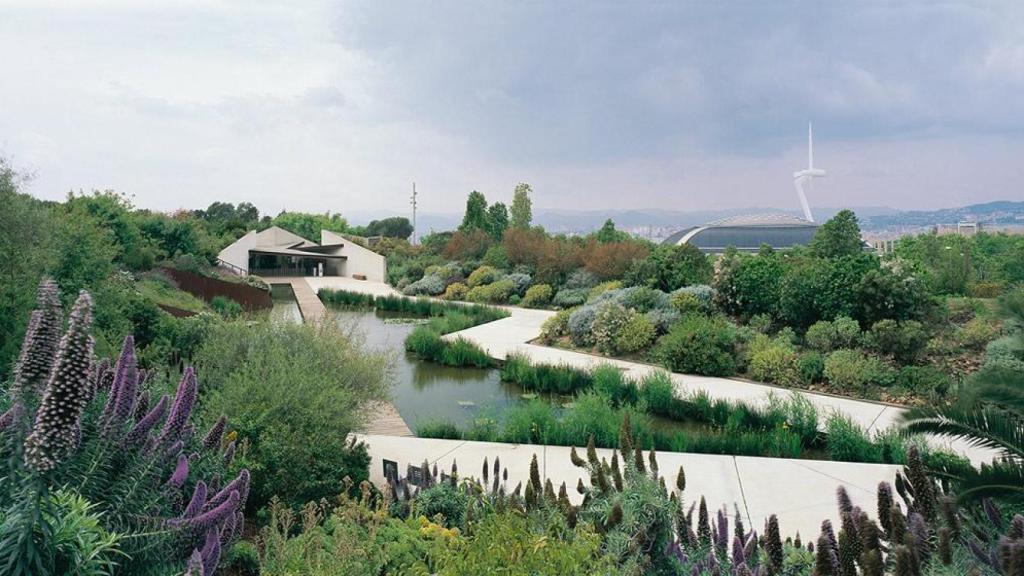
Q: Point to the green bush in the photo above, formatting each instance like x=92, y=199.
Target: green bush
x=699, y=345
x=456, y=291
x=537, y=295
x=849, y=369
x=496, y=293
x=226, y=307
x=483, y=275
x=685, y=303
x=848, y=442
x=924, y=380
x=776, y=364
x=636, y=334
x=555, y=327
x=445, y=503
x=977, y=333
x=243, y=559
x=905, y=340
x=282, y=385
x=602, y=288
x=608, y=323
x=825, y=336
x=811, y=366
x=569, y=297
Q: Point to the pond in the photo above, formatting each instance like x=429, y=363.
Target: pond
x=422, y=391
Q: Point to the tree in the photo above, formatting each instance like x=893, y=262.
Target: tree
x=309, y=226
x=670, y=267
x=395, y=227
x=497, y=220
x=475, y=217
x=608, y=233
x=522, y=207
x=840, y=236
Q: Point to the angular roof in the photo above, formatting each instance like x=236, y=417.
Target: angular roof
x=278, y=241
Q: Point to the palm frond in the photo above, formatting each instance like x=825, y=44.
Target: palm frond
x=996, y=480
x=981, y=427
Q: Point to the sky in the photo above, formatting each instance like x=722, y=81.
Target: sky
x=685, y=105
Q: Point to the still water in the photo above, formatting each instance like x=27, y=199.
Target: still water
x=422, y=391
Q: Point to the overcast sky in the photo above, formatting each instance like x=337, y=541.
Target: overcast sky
x=308, y=105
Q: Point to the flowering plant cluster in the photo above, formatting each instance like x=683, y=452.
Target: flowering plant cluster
x=87, y=429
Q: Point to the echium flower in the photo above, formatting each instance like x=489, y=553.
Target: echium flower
x=211, y=552
x=240, y=484
x=211, y=518
x=216, y=433
x=195, y=564
x=54, y=435
x=180, y=473
x=195, y=505
x=124, y=390
x=39, y=348
x=184, y=400
x=139, y=433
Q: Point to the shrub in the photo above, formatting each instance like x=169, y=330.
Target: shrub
x=636, y=334
x=852, y=370
x=483, y=275
x=643, y=299
x=580, y=326
x=537, y=295
x=699, y=345
x=569, y=297
x=986, y=289
x=429, y=285
x=496, y=257
x=602, y=288
x=226, y=307
x=608, y=323
x=977, y=333
x=445, y=500
x=243, y=559
x=825, y=336
x=848, y=442
x=905, y=341
x=685, y=303
x=702, y=292
x=924, y=380
x=496, y=293
x=520, y=282
x=456, y=291
x=777, y=364
x=1004, y=354
x=283, y=384
x=555, y=327
x=662, y=319
x=580, y=280
x=811, y=366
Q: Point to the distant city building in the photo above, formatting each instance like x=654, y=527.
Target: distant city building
x=747, y=233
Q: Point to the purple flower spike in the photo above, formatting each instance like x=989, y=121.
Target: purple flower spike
x=240, y=484
x=125, y=389
x=180, y=472
x=213, y=517
x=213, y=437
x=195, y=505
x=195, y=564
x=136, y=438
x=211, y=552
x=184, y=400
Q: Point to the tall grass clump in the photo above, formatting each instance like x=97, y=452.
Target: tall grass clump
x=555, y=378
x=443, y=429
x=611, y=383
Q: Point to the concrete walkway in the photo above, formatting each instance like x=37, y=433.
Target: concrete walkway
x=310, y=306
x=800, y=492
x=523, y=325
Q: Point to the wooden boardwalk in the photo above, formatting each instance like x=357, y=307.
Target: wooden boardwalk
x=385, y=419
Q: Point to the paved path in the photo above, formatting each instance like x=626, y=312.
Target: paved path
x=513, y=334
x=800, y=492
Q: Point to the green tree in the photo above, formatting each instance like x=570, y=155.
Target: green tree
x=840, y=236
x=475, y=217
x=309, y=225
x=608, y=234
x=395, y=227
x=26, y=250
x=522, y=207
x=497, y=220
x=748, y=285
x=670, y=267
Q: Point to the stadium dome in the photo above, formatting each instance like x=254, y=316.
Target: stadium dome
x=747, y=233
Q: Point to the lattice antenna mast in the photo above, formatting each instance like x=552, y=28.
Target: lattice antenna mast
x=412, y=200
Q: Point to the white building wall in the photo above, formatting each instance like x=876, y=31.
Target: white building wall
x=359, y=260
x=237, y=254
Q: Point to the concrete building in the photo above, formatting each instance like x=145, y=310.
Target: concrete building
x=278, y=252
x=747, y=233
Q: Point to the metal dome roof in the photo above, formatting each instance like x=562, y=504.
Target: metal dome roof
x=767, y=219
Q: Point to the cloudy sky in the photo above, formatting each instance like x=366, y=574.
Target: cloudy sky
x=310, y=105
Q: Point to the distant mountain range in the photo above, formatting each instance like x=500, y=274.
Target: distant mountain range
x=655, y=222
